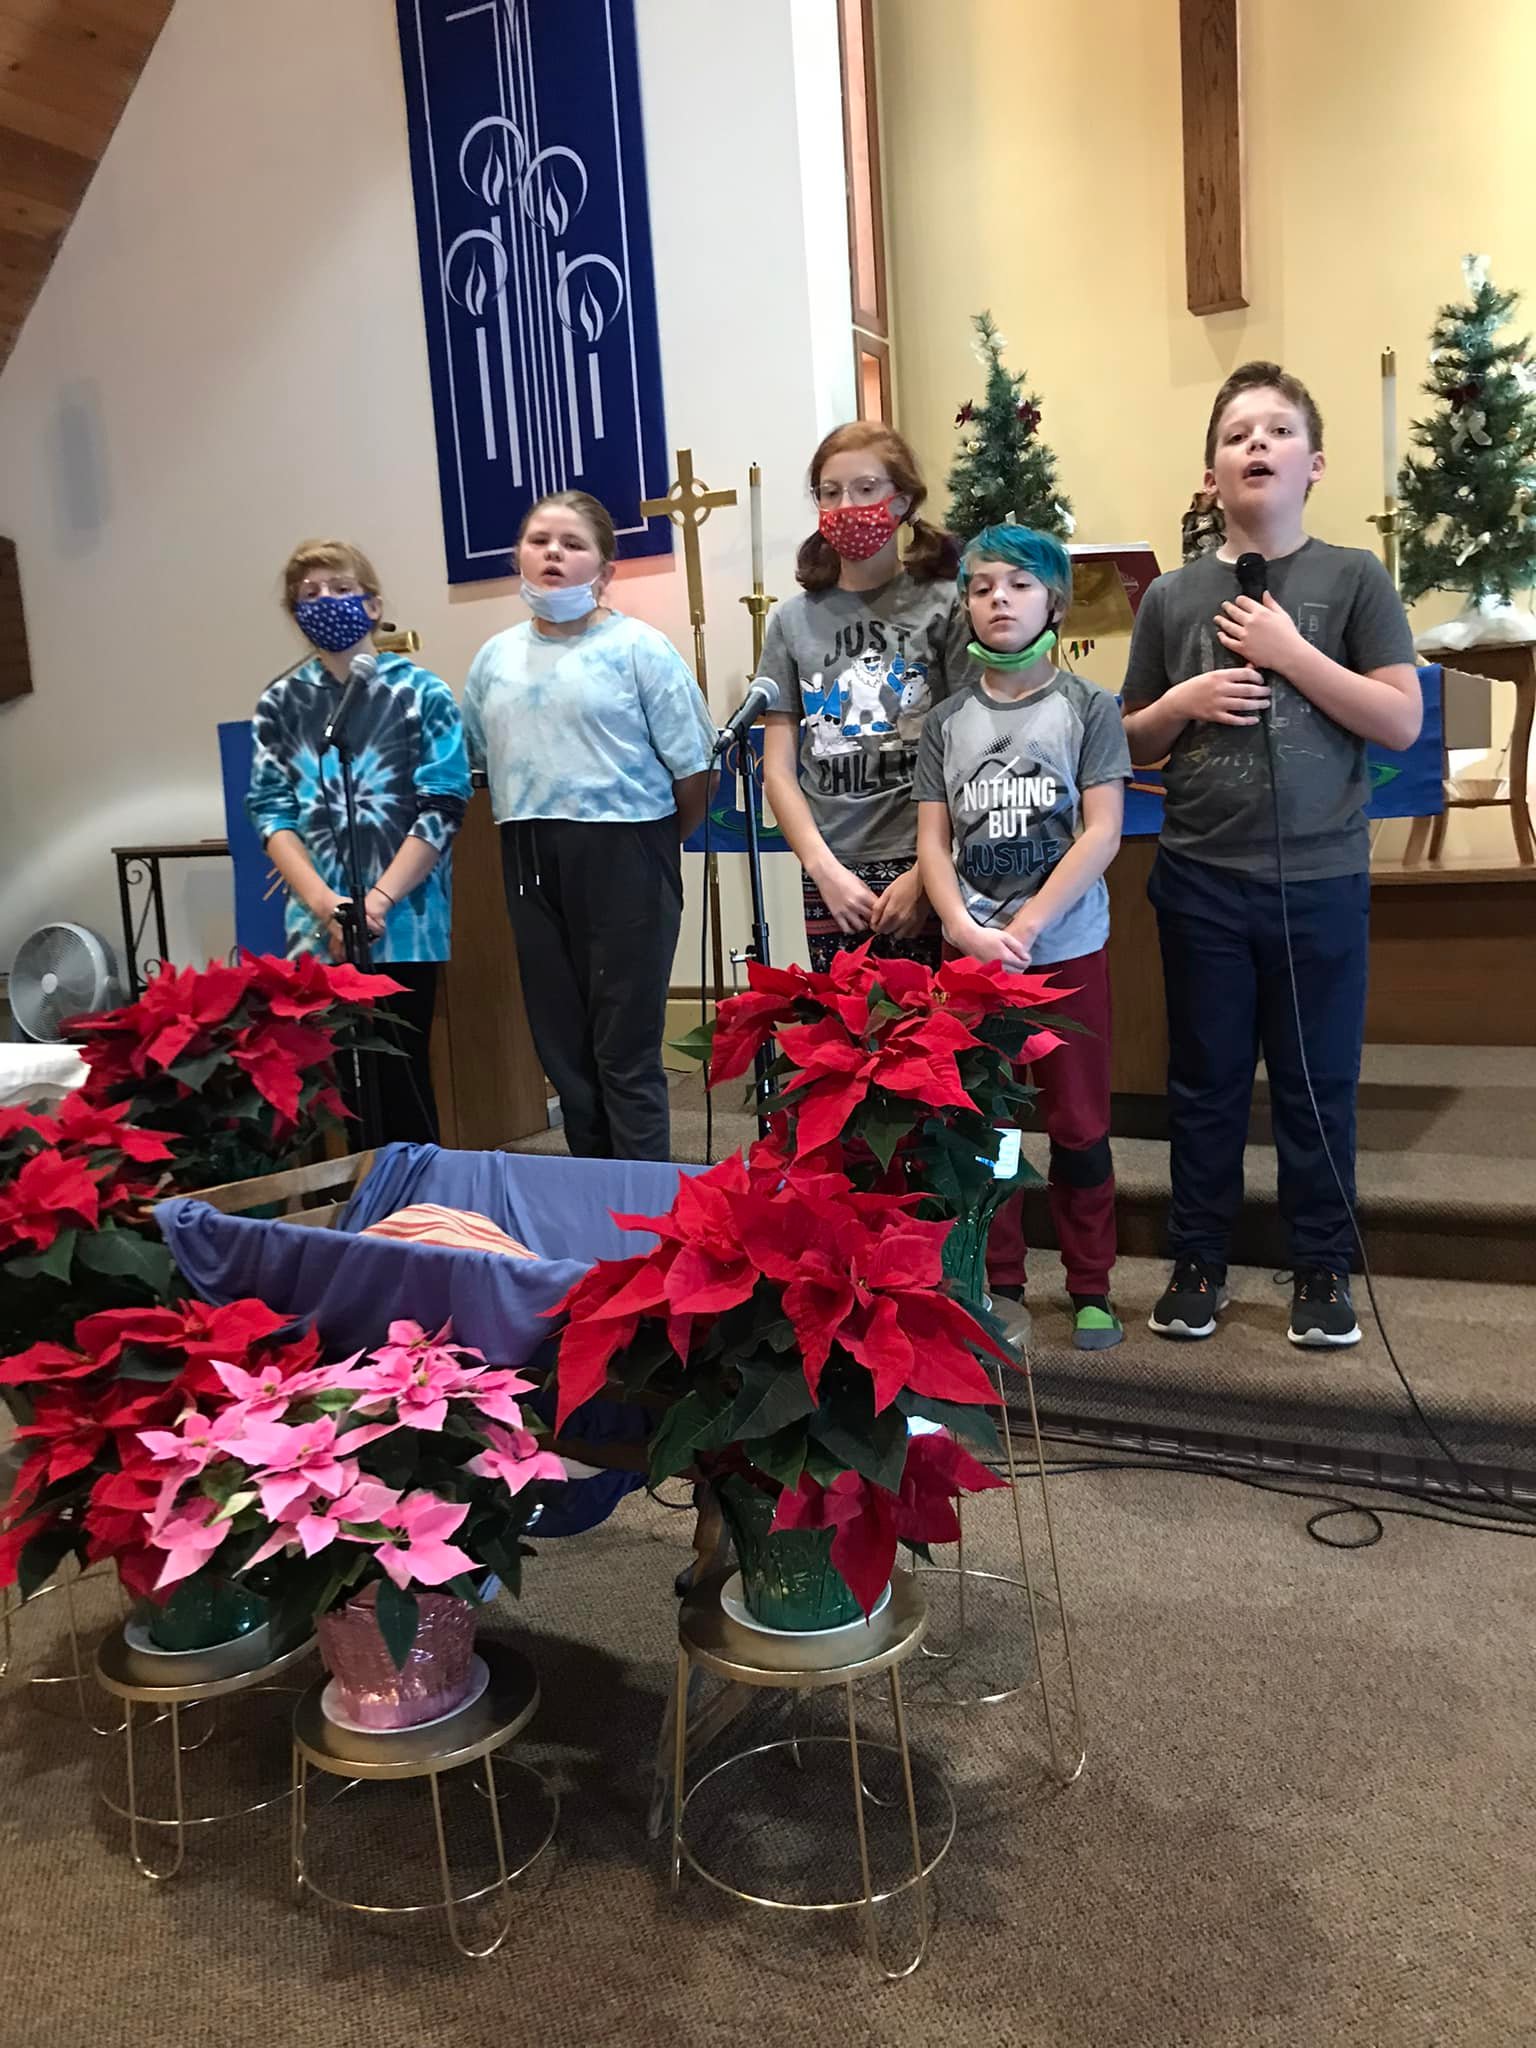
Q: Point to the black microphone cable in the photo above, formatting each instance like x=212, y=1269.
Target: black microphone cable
x=1253, y=579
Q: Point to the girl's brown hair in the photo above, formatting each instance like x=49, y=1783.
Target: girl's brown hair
x=586, y=507
x=933, y=554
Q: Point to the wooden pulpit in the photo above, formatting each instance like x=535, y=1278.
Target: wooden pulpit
x=490, y=1085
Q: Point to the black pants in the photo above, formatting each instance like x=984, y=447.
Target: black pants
x=1229, y=997
x=407, y=1105
x=596, y=911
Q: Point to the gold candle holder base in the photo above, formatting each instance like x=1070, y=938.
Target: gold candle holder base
x=1387, y=525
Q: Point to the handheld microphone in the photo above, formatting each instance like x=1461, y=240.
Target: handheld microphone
x=359, y=676
x=763, y=696
x=1253, y=576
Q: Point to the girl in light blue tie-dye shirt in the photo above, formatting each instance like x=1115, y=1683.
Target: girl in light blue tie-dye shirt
x=597, y=744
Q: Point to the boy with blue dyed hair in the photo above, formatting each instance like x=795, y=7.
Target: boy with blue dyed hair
x=1020, y=787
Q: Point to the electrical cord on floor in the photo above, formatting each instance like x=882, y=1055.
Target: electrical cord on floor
x=1508, y=1521
x=1469, y=1479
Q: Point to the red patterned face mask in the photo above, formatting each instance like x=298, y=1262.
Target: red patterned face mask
x=858, y=531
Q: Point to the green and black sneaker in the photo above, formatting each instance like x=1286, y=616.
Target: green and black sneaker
x=1096, y=1327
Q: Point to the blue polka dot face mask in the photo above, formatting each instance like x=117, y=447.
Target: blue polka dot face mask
x=334, y=623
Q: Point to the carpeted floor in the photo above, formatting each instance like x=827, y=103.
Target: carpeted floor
x=1304, y=1824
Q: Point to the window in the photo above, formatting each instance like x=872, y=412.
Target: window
x=866, y=219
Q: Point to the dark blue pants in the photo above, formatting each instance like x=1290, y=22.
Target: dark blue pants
x=1229, y=998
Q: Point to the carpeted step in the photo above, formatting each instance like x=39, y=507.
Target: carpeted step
x=1468, y=1351
x=1444, y=1215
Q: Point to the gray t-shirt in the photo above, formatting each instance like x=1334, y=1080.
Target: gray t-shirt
x=1013, y=774
x=861, y=668
x=1219, y=806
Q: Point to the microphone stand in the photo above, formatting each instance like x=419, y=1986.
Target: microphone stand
x=358, y=948
x=757, y=945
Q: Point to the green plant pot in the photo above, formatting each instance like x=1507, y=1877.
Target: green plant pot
x=204, y=1611
x=788, y=1579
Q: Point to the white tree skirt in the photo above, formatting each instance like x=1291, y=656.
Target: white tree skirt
x=1489, y=624
x=33, y=1075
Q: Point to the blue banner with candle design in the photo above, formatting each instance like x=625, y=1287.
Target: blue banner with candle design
x=533, y=226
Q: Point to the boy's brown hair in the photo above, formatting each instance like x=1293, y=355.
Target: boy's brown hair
x=1265, y=377
x=336, y=556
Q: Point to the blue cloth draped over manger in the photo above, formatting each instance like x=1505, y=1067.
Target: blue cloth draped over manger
x=353, y=1286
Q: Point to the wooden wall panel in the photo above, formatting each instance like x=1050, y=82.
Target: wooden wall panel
x=15, y=665
x=1214, y=228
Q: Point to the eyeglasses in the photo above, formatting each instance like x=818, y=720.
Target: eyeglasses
x=864, y=490
x=328, y=586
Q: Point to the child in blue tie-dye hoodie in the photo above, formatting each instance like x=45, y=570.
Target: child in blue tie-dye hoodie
x=411, y=778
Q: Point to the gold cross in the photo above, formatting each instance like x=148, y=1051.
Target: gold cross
x=688, y=504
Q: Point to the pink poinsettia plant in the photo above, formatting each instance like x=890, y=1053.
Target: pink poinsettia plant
x=413, y=1467
x=798, y=1324
x=238, y=1064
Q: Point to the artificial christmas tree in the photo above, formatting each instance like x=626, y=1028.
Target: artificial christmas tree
x=1004, y=473
x=1468, y=490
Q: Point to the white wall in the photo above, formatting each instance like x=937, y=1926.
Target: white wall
x=229, y=354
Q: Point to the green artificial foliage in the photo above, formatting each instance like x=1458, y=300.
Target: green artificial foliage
x=1004, y=472
x=1468, y=488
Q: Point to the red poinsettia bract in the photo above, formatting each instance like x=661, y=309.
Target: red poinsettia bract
x=856, y=1270
x=870, y=1521
x=128, y=1370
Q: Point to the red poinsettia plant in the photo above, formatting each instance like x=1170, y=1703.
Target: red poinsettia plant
x=798, y=1324
x=876, y=1057
x=238, y=1064
x=76, y=1187
x=87, y=1480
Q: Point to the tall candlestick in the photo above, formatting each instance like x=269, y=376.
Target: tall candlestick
x=755, y=494
x=1389, y=423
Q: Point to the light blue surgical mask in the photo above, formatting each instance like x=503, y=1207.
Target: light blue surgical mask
x=561, y=606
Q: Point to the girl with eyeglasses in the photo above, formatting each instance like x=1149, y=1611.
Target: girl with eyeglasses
x=872, y=639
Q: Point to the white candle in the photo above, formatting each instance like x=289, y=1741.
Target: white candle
x=1389, y=423
x=755, y=494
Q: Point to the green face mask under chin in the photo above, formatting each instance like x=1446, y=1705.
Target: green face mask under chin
x=1025, y=658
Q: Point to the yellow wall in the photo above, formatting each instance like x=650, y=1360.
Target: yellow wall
x=1033, y=164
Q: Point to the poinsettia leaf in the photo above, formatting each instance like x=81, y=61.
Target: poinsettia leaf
x=823, y=1467
x=221, y=1482
x=697, y=1044
x=694, y=1424
x=783, y=1455
x=42, y=1556
x=198, y=1069
x=870, y=1444
x=138, y=1362
x=644, y=1358
x=771, y=1398
x=125, y=1255
x=398, y=1613
x=882, y=1128
x=960, y=1418
x=55, y=1263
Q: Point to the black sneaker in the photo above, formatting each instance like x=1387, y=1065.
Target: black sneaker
x=1322, y=1313
x=1191, y=1302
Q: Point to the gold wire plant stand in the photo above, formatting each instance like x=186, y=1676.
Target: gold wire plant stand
x=944, y=1677
x=711, y=1640
x=44, y=1687
x=201, y=1678
x=473, y=1735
